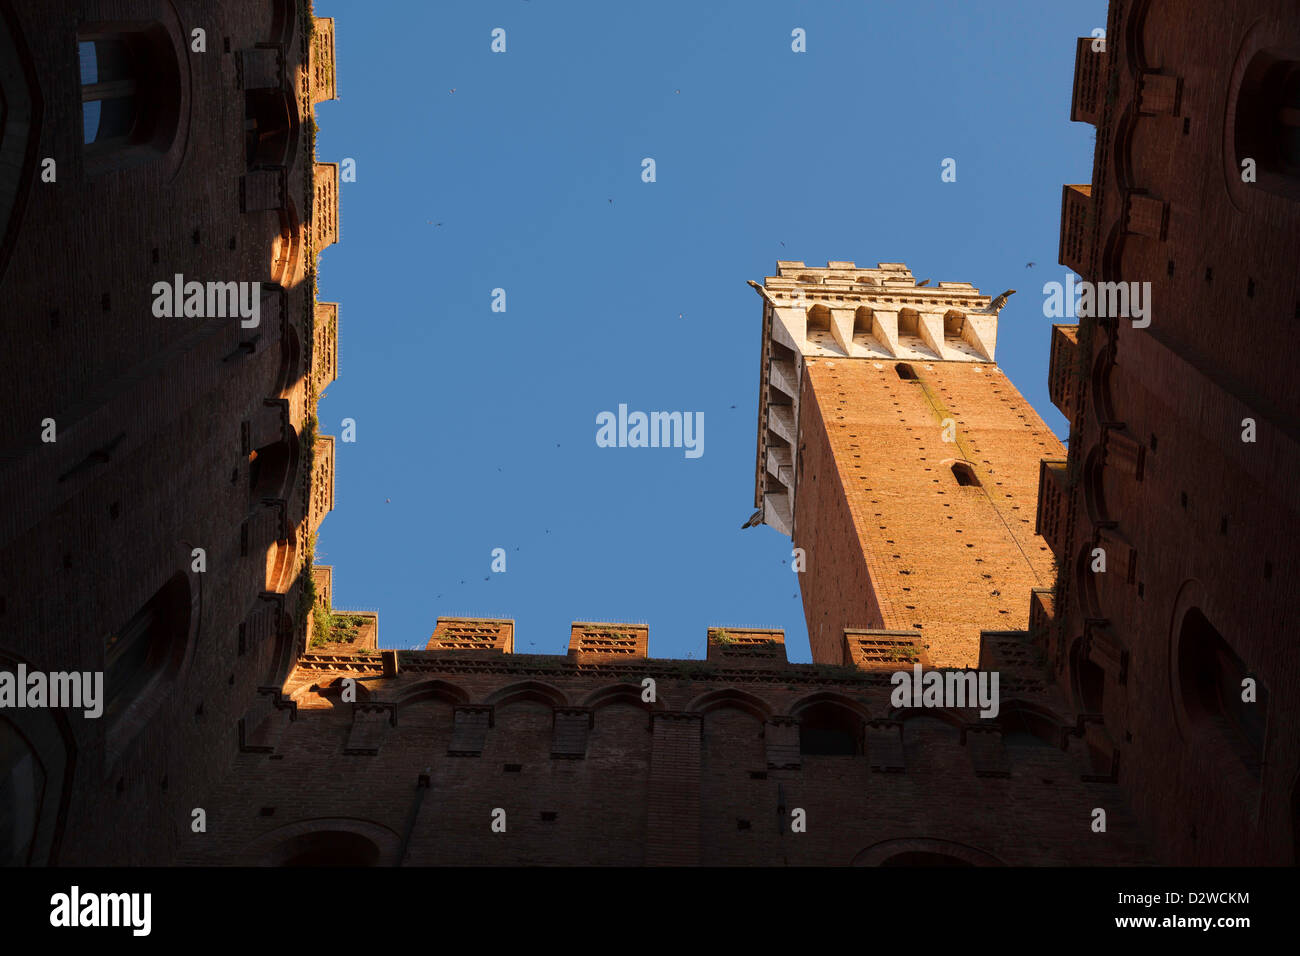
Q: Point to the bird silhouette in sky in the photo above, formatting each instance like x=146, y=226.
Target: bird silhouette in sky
x=923, y=283
x=388, y=501
x=1030, y=265
x=452, y=90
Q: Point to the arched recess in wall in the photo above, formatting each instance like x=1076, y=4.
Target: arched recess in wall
x=337, y=841
x=1087, y=680
x=1094, y=488
x=731, y=697
x=1264, y=122
x=22, y=112
x=290, y=372
x=924, y=852
x=1122, y=149
x=145, y=656
x=819, y=318
x=622, y=694
x=1028, y=725
x=273, y=468
x=281, y=560
x=1111, y=267
x=1207, y=675
x=135, y=94
x=270, y=129
x=1085, y=580
x=286, y=250
x=1103, y=404
x=830, y=725
x=283, y=654
x=431, y=690
x=284, y=22
x=529, y=690
x=36, y=763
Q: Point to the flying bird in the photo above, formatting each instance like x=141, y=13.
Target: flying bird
x=923, y=283
x=995, y=305
x=754, y=520
x=388, y=501
x=452, y=90
x=1030, y=265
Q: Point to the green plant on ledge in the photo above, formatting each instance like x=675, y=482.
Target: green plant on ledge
x=722, y=637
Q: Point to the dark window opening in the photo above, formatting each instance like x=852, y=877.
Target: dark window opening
x=965, y=475
x=141, y=648
x=130, y=87
x=1210, y=676
x=829, y=731
x=268, y=128
x=1022, y=727
x=906, y=372
x=1267, y=123
x=268, y=469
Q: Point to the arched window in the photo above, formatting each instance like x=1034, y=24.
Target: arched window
x=269, y=468
x=130, y=88
x=829, y=731
x=142, y=648
x=1267, y=122
x=965, y=474
x=1210, y=676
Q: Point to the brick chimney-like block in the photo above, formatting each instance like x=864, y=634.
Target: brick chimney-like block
x=325, y=207
x=474, y=636
x=321, y=62
x=598, y=640
x=883, y=650
x=746, y=647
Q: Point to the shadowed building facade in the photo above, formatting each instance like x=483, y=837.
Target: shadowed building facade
x=1185, y=425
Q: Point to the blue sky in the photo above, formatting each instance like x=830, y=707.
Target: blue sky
x=476, y=429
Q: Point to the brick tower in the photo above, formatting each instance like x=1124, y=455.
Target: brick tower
x=897, y=455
